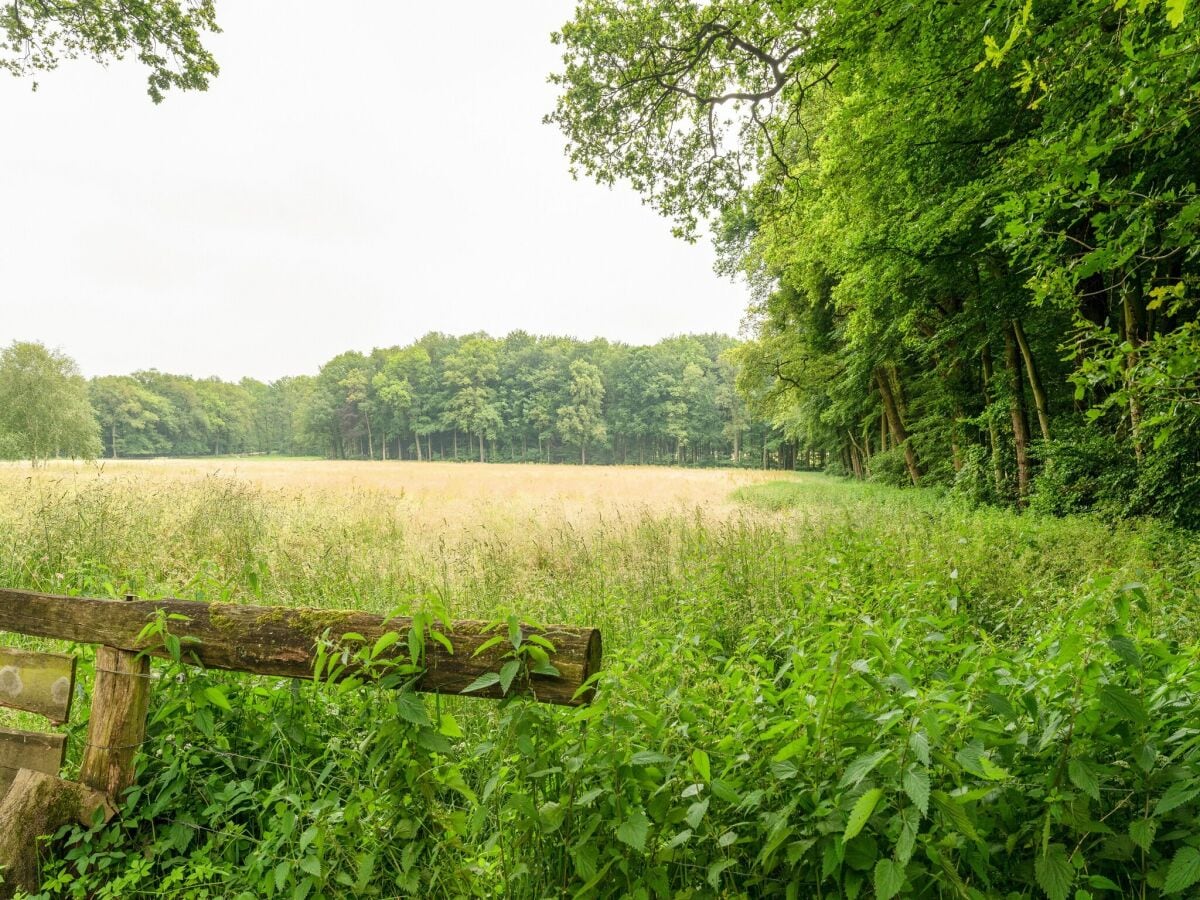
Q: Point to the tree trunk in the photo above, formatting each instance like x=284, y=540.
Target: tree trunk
x=114, y=440
x=482, y=456
x=583, y=454
x=985, y=359
x=899, y=434
x=1133, y=337
x=1020, y=424
x=417, y=440
x=1035, y=381
x=35, y=806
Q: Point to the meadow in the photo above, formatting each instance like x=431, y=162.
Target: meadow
x=811, y=687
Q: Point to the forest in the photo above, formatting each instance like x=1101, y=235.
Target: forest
x=517, y=398
x=972, y=228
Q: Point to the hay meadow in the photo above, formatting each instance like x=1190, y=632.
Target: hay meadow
x=812, y=687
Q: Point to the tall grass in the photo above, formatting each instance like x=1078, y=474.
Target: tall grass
x=772, y=668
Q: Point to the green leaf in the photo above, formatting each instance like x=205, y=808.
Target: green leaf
x=1175, y=12
x=861, y=767
x=863, y=807
x=1082, y=777
x=648, y=758
x=701, y=764
x=1120, y=702
x=634, y=830
x=311, y=865
x=916, y=785
x=411, y=708
x=508, y=672
x=1179, y=793
x=1141, y=832
x=1184, y=871
x=216, y=697
x=282, y=871
x=486, y=680
x=1054, y=873
x=384, y=641
x=889, y=879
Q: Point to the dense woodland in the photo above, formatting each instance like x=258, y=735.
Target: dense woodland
x=972, y=226
x=519, y=397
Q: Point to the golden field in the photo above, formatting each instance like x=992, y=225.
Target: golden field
x=552, y=542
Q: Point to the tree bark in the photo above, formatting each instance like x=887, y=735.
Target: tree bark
x=36, y=805
x=1035, y=381
x=1133, y=336
x=899, y=434
x=1020, y=423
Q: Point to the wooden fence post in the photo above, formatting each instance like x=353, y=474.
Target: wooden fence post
x=117, y=727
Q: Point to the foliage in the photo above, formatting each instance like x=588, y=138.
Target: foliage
x=843, y=688
x=967, y=224
x=165, y=36
x=517, y=398
x=44, y=409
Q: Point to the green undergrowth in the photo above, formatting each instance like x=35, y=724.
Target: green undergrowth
x=846, y=691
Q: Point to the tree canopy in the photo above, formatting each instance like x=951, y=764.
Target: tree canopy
x=972, y=229
x=44, y=409
x=166, y=36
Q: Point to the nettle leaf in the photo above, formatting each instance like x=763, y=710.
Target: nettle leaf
x=1179, y=793
x=486, y=680
x=863, y=807
x=1082, y=777
x=1141, y=832
x=1120, y=702
x=861, y=768
x=889, y=879
x=1184, y=871
x=1054, y=872
x=916, y=785
x=508, y=672
x=634, y=830
x=919, y=744
x=910, y=821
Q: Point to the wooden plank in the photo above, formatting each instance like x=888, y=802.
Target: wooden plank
x=42, y=683
x=281, y=640
x=29, y=750
x=117, y=725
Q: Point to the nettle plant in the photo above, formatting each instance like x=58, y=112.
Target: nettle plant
x=252, y=787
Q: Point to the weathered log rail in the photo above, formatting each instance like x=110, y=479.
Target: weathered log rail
x=264, y=640
x=282, y=640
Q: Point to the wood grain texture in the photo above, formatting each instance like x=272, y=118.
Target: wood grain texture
x=29, y=750
x=279, y=640
x=42, y=683
x=117, y=725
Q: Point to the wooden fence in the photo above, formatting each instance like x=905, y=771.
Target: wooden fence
x=263, y=640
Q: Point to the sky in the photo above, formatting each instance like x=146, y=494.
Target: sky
x=346, y=182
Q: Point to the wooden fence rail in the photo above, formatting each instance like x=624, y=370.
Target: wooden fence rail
x=282, y=640
x=264, y=640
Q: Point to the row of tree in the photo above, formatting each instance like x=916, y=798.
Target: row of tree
x=973, y=228
x=520, y=397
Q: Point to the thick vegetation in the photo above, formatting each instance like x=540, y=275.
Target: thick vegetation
x=974, y=226
x=840, y=691
x=526, y=398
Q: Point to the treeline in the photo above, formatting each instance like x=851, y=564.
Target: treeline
x=974, y=228
x=517, y=398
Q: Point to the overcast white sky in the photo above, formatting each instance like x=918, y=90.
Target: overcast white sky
x=353, y=178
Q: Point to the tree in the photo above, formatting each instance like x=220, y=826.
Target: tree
x=44, y=407
x=472, y=371
x=128, y=414
x=165, y=36
x=581, y=422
